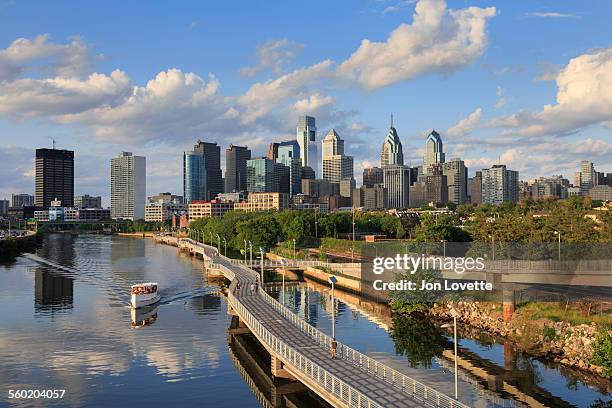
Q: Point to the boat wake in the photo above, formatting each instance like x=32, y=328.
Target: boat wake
x=118, y=292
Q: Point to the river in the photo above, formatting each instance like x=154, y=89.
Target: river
x=65, y=325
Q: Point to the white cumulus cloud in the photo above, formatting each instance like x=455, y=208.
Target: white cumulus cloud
x=70, y=59
x=274, y=55
x=465, y=125
x=584, y=98
x=439, y=39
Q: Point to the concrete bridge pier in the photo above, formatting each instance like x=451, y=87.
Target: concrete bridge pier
x=508, y=302
x=278, y=369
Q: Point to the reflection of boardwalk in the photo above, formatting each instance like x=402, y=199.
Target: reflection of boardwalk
x=518, y=385
x=253, y=364
x=300, y=351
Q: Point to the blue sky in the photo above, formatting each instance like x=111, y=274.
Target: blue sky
x=523, y=83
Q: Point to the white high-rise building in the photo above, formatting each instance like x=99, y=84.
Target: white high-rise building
x=499, y=185
x=397, y=183
x=128, y=187
x=307, y=140
x=392, y=152
x=434, y=151
x=587, y=177
x=336, y=166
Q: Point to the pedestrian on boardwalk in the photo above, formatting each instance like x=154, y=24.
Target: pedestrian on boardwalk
x=334, y=348
x=252, y=287
x=238, y=288
x=256, y=286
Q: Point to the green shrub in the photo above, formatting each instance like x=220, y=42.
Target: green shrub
x=550, y=332
x=602, y=352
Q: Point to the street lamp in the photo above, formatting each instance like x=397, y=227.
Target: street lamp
x=218, y=243
x=294, y=256
x=261, y=252
x=332, y=279
x=283, y=264
x=444, y=246
x=212, y=243
x=558, y=234
x=251, y=248
x=455, y=314
x=316, y=225
x=224, y=247
x=492, y=244
x=245, y=251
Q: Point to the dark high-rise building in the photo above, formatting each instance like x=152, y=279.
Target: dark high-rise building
x=54, y=177
x=235, y=168
x=308, y=173
x=372, y=176
x=267, y=176
x=273, y=151
x=212, y=165
x=476, y=192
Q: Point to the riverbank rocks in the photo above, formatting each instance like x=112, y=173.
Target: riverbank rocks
x=559, y=341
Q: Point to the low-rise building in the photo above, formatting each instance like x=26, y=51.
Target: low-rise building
x=87, y=201
x=209, y=209
x=264, y=202
x=162, y=211
x=94, y=214
x=41, y=215
x=601, y=192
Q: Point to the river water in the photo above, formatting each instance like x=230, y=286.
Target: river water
x=65, y=325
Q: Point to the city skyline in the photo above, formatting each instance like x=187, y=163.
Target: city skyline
x=487, y=99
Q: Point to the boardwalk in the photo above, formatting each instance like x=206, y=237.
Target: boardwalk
x=352, y=380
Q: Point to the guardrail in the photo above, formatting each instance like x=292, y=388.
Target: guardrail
x=391, y=376
x=331, y=383
x=290, y=357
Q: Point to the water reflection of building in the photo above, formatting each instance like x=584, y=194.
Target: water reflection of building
x=58, y=248
x=52, y=292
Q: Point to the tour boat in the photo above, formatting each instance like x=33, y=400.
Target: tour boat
x=143, y=316
x=144, y=294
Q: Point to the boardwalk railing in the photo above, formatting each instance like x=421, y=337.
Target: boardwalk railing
x=322, y=377
x=291, y=358
x=418, y=390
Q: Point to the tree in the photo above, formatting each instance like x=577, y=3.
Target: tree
x=418, y=339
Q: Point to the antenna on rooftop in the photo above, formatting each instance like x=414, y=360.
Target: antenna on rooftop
x=53, y=144
x=391, y=119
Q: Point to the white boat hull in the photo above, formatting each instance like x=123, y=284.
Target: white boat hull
x=138, y=301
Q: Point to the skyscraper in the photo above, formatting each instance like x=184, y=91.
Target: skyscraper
x=128, y=187
x=372, y=176
x=265, y=176
x=396, y=180
x=499, y=185
x=235, y=168
x=434, y=151
x=288, y=154
x=194, y=177
x=307, y=140
x=476, y=191
x=212, y=164
x=587, y=176
x=336, y=166
x=392, y=152
x=54, y=177
x=456, y=179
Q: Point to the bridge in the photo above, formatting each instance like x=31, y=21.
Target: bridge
x=301, y=352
